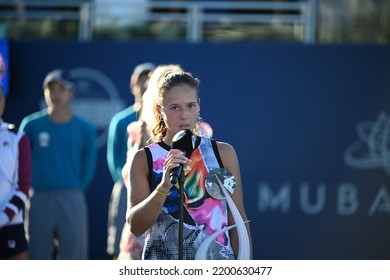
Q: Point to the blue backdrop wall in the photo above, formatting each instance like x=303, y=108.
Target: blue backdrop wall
x=310, y=125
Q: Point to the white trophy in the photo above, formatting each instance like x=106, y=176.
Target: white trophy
x=220, y=184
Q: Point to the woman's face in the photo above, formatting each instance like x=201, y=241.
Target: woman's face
x=180, y=109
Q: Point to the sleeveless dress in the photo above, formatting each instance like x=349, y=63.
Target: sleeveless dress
x=203, y=215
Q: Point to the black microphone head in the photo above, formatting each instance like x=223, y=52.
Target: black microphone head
x=184, y=140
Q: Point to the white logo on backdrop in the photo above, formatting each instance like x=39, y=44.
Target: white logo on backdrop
x=372, y=149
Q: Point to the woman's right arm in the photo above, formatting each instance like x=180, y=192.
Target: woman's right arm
x=144, y=206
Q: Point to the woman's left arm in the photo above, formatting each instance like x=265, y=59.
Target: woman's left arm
x=231, y=163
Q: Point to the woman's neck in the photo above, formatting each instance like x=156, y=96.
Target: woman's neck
x=167, y=141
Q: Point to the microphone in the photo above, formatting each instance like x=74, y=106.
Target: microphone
x=184, y=140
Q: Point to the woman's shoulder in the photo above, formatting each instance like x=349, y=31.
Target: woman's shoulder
x=225, y=147
x=138, y=158
x=150, y=148
x=226, y=151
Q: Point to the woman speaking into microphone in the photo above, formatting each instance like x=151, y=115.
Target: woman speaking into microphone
x=154, y=202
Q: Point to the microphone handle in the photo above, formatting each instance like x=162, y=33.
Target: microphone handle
x=176, y=172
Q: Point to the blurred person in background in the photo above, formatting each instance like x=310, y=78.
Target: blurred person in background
x=64, y=154
x=15, y=181
x=117, y=148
